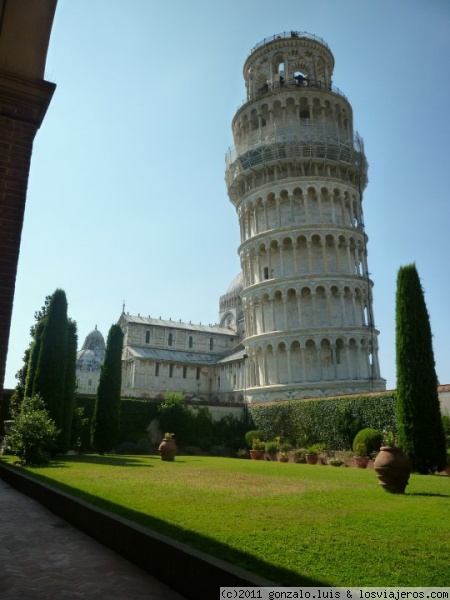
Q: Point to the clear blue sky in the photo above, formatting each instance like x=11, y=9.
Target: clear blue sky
x=126, y=197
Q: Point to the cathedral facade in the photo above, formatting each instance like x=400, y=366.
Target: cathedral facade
x=297, y=322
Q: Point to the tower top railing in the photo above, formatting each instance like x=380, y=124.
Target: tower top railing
x=289, y=34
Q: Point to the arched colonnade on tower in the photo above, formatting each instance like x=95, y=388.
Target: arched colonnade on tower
x=308, y=205
x=310, y=253
x=304, y=111
x=293, y=307
x=312, y=359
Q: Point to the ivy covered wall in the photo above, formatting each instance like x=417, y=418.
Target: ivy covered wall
x=333, y=422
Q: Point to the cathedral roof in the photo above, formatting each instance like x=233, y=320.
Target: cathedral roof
x=173, y=355
x=174, y=324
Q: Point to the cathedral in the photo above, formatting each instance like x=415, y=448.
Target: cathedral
x=297, y=322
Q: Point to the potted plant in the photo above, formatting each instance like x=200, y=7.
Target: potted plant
x=257, y=451
x=284, y=452
x=392, y=466
x=299, y=456
x=361, y=459
x=312, y=454
x=167, y=448
x=367, y=441
x=283, y=456
x=271, y=449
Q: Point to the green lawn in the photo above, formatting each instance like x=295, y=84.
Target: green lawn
x=290, y=523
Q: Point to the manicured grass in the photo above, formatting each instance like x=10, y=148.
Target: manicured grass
x=286, y=522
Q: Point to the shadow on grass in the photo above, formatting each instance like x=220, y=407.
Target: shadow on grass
x=254, y=564
x=113, y=460
x=427, y=494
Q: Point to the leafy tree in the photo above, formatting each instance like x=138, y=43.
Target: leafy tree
x=420, y=431
x=34, y=433
x=106, y=420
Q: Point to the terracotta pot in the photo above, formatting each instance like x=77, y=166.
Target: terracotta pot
x=167, y=449
x=361, y=461
x=284, y=459
x=393, y=469
x=311, y=459
x=257, y=454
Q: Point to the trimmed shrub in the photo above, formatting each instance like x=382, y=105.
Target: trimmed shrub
x=272, y=447
x=367, y=441
x=250, y=435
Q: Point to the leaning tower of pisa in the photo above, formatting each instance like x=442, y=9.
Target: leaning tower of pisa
x=296, y=176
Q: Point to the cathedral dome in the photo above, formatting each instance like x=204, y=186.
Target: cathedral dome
x=236, y=286
x=94, y=341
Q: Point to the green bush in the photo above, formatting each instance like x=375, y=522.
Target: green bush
x=285, y=447
x=34, y=435
x=272, y=447
x=299, y=456
x=367, y=441
x=335, y=462
x=314, y=449
x=251, y=435
x=242, y=453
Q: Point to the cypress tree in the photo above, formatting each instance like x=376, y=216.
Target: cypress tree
x=420, y=431
x=50, y=377
x=105, y=423
x=33, y=357
x=28, y=371
x=69, y=385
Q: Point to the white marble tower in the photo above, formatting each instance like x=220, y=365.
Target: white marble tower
x=296, y=176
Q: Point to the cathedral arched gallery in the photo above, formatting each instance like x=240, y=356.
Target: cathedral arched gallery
x=297, y=321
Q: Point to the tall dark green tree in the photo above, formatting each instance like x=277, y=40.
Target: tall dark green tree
x=50, y=377
x=50, y=365
x=106, y=420
x=69, y=385
x=25, y=376
x=420, y=431
x=33, y=357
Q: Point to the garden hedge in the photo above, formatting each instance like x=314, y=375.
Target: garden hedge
x=333, y=422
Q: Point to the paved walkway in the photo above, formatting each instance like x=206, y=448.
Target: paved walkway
x=43, y=557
